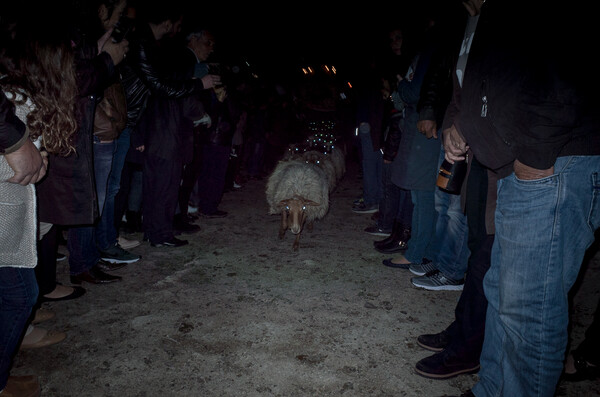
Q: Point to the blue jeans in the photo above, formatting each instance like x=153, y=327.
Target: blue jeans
x=81, y=240
x=18, y=294
x=423, y=223
x=451, y=251
x=543, y=228
x=372, y=162
x=106, y=232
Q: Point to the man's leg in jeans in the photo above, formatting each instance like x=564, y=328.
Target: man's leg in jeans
x=464, y=337
x=543, y=228
x=106, y=232
x=18, y=294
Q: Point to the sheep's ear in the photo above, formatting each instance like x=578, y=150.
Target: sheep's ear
x=310, y=202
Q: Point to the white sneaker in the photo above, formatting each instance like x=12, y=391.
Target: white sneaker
x=127, y=244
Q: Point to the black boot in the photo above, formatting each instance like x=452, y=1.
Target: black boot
x=396, y=231
x=396, y=242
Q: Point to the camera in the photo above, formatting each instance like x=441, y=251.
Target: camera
x=122, y=28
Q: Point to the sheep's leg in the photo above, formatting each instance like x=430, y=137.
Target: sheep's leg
x=296, y=242
x=283, y=226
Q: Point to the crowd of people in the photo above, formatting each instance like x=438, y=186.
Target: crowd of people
x=515, y=120
x=114, y=111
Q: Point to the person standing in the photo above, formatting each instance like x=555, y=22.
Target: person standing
x=21, y=166
x=529, y=113
x=156, y=112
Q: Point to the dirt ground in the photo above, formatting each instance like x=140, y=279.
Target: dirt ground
x=237, y=313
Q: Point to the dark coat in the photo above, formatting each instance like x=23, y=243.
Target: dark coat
x=415, y=166
x=142, y=77
x=523, y=99
x=67, y=195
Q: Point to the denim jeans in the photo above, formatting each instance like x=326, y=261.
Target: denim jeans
x=106, y=232
x=543, y=228
x=81, y=240
x=423, y=223
x=372, y=162
x=18, y=294
x=451, y=251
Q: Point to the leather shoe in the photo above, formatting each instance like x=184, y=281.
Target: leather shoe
x=40, y=337
x=388, y=262
x=42, y=315
x=434, y=342
x=172, y=242
x=22, y=386
x=182, y=226
x=77, y=292
x=444, y=365
x=392, y=247
x=94, y=276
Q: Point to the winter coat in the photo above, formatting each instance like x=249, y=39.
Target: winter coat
x=67, y=195
x=523, y=99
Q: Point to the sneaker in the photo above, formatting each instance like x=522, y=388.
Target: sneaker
x=358, y=201
x=434, y=342
x=192, y=209
x=445, y=365
x=362, y=208
x=116, y=254
x=421, y=269
x=377, y=231
x=60, y=257
x=436, y=281
x=106, y=266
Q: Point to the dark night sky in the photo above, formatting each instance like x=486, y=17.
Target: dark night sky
x=292, y=33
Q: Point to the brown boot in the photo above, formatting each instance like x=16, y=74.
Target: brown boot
x=22, y=386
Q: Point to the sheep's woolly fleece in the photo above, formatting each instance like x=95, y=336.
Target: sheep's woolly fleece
x=298, y=178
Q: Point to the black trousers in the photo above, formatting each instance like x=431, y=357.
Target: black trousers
x=161, y=182
x=467, y=331
x=211, y=180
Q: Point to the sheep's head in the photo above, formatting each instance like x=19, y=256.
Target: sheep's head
x=294, y=211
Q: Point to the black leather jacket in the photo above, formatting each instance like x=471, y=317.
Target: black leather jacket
x=140, y=77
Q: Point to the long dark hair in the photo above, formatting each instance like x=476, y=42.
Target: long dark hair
x=39, y=64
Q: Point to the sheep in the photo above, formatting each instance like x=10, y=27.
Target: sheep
x=339, y=161
x=300, y=192
x=325, y=162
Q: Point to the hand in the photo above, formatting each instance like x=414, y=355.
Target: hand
x=528, y=173
x=428, y=128
x=211, y=80
x=27, y=163
x=116, y=51
x=140, y=148
x=454, y=145
x=221, y=93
